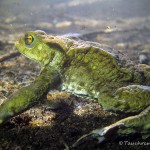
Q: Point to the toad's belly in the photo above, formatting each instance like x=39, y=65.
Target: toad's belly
x=80, y=90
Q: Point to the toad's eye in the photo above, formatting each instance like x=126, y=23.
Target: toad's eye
x=28, y=39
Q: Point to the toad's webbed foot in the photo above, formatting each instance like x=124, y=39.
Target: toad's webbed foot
x=100, y=135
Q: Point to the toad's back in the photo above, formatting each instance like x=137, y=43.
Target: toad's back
x=89, y=70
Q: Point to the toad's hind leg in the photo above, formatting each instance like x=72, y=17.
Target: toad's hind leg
x=130, y=125
x=130, y=99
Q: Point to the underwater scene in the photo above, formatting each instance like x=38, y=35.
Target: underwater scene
x=74, y=75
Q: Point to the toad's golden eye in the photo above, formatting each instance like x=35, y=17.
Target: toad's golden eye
x=28, y=39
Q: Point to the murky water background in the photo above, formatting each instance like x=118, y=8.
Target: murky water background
x=71, y=15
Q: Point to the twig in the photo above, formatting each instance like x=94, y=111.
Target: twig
x=9, y=56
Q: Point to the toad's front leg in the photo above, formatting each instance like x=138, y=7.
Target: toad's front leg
x=30, y=95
